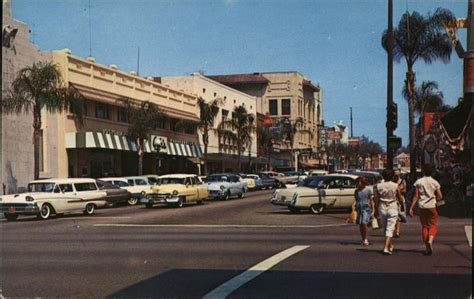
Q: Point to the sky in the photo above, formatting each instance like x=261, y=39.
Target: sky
x=336, y=43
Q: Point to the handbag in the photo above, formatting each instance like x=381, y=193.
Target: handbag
x=374, y=223
x=440, y=203
x=352, y=216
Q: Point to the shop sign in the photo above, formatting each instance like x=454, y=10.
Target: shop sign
x=305, y=151
x=113, y=132
x=159, y=142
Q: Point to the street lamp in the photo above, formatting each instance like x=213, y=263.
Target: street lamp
x=158, y=145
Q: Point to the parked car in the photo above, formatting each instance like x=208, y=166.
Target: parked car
x=283, y=179
x=250, y=181
x=318, y=172
x=175, y=190
x=54, y=196
x=152, y=178
x=268, y=182
x=225, y=185
x=115, y=195
x=318, y=193
x=137, y=190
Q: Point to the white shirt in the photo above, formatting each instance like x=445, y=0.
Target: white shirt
x=427, y=187
x=387, y=194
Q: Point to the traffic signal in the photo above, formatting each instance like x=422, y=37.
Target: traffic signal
x=392, y=116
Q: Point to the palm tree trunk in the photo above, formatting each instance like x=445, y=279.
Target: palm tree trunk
x=239, y=152
x=410, y=81
x=205, y=140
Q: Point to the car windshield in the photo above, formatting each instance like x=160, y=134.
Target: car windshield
x=41, y=187
x=164, y=181
x=217, y=178
x=313, y=182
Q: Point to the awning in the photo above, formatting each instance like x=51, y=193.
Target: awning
x=113, y=141
x=455, y=123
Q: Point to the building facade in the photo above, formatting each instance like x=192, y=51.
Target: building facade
x=100, y=146
x=286, y=95
x=222, y=153
x=16, y=139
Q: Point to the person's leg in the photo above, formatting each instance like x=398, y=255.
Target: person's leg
x=432, y=230
x=397, y=228
x=364, y=232
x=424, y=225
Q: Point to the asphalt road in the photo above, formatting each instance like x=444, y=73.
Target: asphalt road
x=193, y=251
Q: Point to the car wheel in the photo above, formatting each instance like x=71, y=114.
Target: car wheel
x=11, y=217
x=149, y=205
x=293, y=209
x=45, y=212
x=241, y=195
x=317, y=208
x=226, y=196
x=280, y=185
x=132, y=201
x=180, y=203
x=199, y=202
x=90, y=208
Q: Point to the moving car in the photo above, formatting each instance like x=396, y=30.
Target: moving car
x=54, y=196
x=136, y=190
x=175, y=190
x=225, y=185
x=318, y=193
x=371, y=177
x=115, y=195
x=268, y=182
x=283, y=179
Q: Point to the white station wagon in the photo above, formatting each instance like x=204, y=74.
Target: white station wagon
x=318, y=193
x=54, y=196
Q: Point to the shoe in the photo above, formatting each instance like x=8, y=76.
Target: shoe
x=429, y=248
x=387, y=252
x=391, y=248
x=365, y=243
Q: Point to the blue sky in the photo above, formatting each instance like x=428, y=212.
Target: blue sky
x=333, y=42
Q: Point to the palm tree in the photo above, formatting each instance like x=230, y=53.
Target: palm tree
x=239, y=129
x=144, y=117
x=290, y=129
x=207, y=115
x=419, y=38
x=37, y=87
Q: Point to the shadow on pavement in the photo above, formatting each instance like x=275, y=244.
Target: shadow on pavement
x=195, y=283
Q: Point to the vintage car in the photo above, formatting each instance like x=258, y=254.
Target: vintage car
x=318, y=193
x=54, y=196
x=175, y=190
x=268, y=182
x=137, y=186
x=152, y=178
x=225, y=185
x=251, y=184
x=115, y=195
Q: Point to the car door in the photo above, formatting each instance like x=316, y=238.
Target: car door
x=201, y=188
x=191, y=189
x=70, y=201
x=332, y=191
x=346, y=195
x=86, y=192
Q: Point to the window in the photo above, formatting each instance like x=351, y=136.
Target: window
x=225, y=113
x=85, y=187
x=121, y=184
x=173, y=124
x=66, y=188
x=140, y=182
x=193, y=181
x=273, y=107
x=102, y=110
x=286, y=107
x=122, y=115
x=41, y=151
x=131, y=182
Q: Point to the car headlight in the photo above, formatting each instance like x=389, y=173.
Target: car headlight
x=175, y=192
x=29, y=198
x=143, y=192
x=222, y=188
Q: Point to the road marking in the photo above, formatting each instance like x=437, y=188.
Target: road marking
x=228, y=287
x=94, y=217
x=468, y=230
x=218, y=225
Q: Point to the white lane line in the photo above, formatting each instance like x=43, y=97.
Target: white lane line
x=94, y=217
x=468, y=230
x=228, y=287
x=218, y=225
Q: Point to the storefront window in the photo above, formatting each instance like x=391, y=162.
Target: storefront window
x=102, y=110
x=273, y=107
x=285, y=107
x=123, y=115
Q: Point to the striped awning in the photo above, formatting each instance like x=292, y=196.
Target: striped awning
x=120, y=142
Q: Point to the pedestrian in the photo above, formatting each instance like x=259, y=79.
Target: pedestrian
x=427, y=192
x=402, y=185
x=387, y=194
x=365, y=208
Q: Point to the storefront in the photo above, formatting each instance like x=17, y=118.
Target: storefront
x=99, y=154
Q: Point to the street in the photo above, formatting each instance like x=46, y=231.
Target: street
x=191, y=252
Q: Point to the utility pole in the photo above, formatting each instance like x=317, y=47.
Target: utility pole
x=389, y=82
x=469, y=70
x=352, y=131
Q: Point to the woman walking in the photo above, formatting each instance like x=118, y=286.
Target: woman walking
x=387, y=194
x=402, y=185
x=365, y=207
x=427, y=192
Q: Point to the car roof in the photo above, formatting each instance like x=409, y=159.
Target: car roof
x=367, y=172
x=225, y=173
x=65, y=180
x=112, y=179
x=342, y=175
x=135, y=177
x=177, y=176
